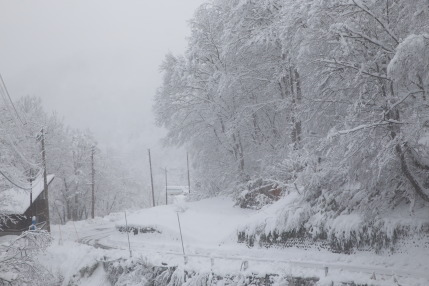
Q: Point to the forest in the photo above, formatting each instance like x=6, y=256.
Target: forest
x=304, y=125
x=328, y=98
x=68, y=156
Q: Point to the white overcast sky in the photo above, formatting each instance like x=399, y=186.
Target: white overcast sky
x=95, y=62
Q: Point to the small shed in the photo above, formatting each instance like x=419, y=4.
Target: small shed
x=22, y=205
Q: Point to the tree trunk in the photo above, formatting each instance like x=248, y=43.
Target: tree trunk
x=407, y=172
x=67, y=201
x=296, y=99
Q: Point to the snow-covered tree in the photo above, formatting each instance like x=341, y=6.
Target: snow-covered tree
x=68, y=156
x=329, y=96
x=18, y=262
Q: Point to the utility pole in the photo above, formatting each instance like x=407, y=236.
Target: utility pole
x=166, y=188
x=31, y=193
x=93, y=182
x=189, y=178
x=45, y=179
x=31, y=197
x=32, y=206
x=151, y=179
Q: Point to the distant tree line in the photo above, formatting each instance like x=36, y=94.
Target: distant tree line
x=68, y=156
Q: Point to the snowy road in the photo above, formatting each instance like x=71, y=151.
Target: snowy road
x=93, y=239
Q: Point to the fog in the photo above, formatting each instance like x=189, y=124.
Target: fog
x=96, y=63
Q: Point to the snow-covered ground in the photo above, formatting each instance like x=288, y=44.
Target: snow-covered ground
x=209, y=229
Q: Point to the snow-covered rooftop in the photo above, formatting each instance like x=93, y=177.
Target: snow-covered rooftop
x=17, y=201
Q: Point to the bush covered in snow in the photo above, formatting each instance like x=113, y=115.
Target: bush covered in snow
x=18, y=263
x=140, y=272
x=6, y=219
x=257, y=193
x=135, y=229
x=295, y=222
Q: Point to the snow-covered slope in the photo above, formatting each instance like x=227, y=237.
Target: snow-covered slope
x=209, y=221
x=209, y=229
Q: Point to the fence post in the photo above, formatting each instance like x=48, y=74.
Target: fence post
x=128, y=234
x=244, y=265
x=74, y=226
x=181, y=238
x=60, y=242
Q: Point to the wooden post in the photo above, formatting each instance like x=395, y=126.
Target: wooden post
x=189, y=178
x=31, y=193
x=60, y=242
x=151, y=178
x=181, y=238
x=244, y=265
x=92, y=183
x=128, y=234
x=75, y=230
x=45, y=179
x=166, y=188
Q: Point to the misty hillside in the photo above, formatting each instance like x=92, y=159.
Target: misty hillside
x=291, y=135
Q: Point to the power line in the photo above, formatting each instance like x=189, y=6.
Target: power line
x=21, y=155
x=7, y=105
x=13, y=183
x=7, y=99
x=15, y=147
x=8, y=95
x=5, y=94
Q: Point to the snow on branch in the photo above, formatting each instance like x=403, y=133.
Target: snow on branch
x=18, y=263
x=393, y=106
x=410, y=62
x=359, y=4
x=368, y=38
x=365, y=126
x=355, y=67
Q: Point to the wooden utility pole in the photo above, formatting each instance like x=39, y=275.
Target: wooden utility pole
x=45, y=179
x=31, y=193
x=189, y=178
x=31, y=197
x=166, y=188
x=93, y=182
x=151, y=179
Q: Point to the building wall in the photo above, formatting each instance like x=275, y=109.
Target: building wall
x=23, y=221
